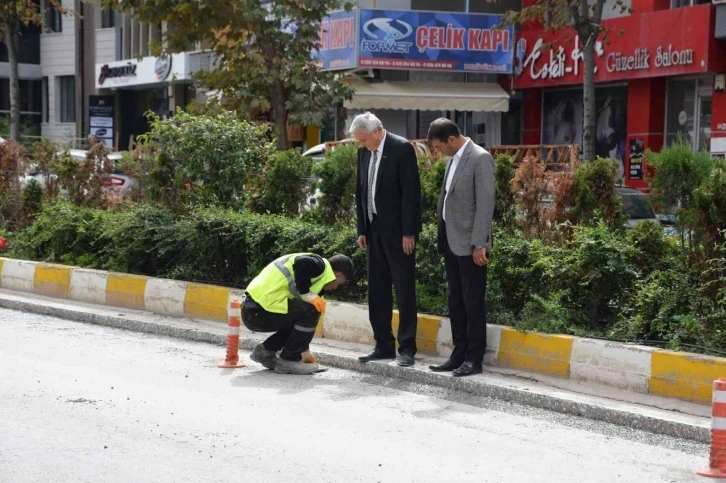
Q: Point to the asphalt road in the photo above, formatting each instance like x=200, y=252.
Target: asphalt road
x=80, y=403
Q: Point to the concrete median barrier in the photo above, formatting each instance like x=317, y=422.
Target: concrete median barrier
x=635, y=368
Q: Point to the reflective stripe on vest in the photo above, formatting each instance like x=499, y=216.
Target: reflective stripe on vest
x=280, y=264
x=275, y=284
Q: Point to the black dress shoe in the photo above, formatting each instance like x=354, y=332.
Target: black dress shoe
x=377, y=355
x=445, y=367
x=405, y=360
x=467, y=369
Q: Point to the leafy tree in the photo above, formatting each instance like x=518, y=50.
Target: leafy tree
x=263, y=66
x=14, y=16
x=583, y=18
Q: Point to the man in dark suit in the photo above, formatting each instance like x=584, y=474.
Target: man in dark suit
x=388, y=201
x=465, y=211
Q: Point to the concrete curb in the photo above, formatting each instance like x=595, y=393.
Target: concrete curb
x=660, y=422
x=639, y=369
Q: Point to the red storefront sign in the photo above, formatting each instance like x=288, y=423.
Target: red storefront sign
x=654, y=44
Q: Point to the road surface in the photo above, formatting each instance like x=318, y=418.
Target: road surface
x=80, y=403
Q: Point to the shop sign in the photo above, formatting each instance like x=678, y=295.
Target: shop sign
x=560, y=63
x=338, y=37
x=100, y=115
x=669, y=42
x=637, y=150
x=393, y=39
x=146, y=71
x=162, y=67
x=126, y=70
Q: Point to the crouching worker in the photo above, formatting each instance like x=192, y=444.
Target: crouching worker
x=285, y=299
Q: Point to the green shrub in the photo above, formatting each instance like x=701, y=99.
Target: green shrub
x=283, y=186
x=505, y=207
x=596, y=271
x=431, y=288
x=32, y=201
x=594, y=194
x=710, y=202
x=337, y=173
x=678, y=171
x=203, y=160
x=647, y=247
x=519, y=269
x=64, y=233
x=431, y=172
x=667, y=306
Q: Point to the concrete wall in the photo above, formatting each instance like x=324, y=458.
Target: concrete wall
x=105, y=45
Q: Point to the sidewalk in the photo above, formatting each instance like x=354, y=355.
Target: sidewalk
x=640, y=411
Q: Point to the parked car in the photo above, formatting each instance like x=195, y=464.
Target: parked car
x=118, y=181
x=318, y=155
x=636, y=205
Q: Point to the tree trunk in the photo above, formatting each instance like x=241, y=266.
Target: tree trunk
x=12, y=40
x=279, y=114
x=588, y=99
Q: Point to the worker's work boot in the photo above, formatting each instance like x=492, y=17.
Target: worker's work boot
x=264, y=357
x=295, y=367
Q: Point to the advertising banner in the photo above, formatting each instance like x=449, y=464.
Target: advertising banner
x=394, y=39
x=653, y=44
x=563, y=121
x=338, y=37
x=100, y=114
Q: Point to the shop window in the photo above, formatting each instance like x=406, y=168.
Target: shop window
x=4, y=95
x=53, y=18
x=108, y=19
x=687, y=3
x=615, y=9
x=439, y=6
x=512, y=124
x=67, y=87
x=46, y=98
x=564, y=115
x=501, y=6
x=680, y=110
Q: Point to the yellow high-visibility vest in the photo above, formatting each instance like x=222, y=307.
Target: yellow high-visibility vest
x=275, y=284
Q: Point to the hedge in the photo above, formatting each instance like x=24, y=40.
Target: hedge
x=633, y=285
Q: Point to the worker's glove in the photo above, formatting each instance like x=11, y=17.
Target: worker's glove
x=308, y=357
x=315, y=300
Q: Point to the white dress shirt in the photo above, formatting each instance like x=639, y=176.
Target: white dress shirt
x=452, y=170
x=379, y=150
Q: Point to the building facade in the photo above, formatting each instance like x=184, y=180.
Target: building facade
x=31, y=84
x=410, y=72
x=659, y=76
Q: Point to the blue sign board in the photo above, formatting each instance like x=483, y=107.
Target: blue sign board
x=338, y=39
x=410, y=40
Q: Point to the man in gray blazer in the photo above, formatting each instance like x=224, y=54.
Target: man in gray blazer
x=466, y=208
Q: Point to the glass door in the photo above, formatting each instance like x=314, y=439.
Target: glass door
x=704, y=123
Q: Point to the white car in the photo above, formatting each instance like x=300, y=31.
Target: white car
x=117, y=182
x=318, y=155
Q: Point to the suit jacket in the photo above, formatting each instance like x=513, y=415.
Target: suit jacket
x=470, y=204
x=398, y=189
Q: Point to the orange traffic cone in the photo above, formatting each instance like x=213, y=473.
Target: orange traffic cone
x=234, y=319
x=717, y=458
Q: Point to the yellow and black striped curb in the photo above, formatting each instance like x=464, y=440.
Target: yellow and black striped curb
x=635, y=368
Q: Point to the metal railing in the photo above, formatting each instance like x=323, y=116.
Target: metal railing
x=554, y=156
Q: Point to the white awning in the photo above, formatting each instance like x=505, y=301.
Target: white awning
x=443, y=96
